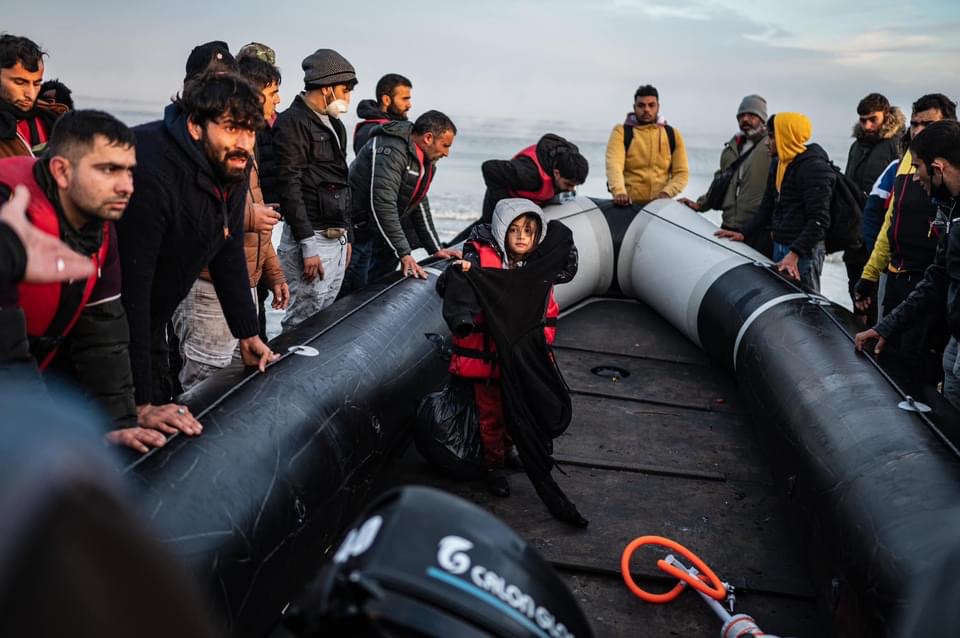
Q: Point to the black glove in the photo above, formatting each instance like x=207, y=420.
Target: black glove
x=865, y=291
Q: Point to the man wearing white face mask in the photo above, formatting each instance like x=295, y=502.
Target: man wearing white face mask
x=310, y=145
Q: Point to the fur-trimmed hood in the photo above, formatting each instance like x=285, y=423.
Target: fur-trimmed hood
x=894, y=125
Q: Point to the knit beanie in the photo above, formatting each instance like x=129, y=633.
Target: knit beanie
x=326, y=67
x=753, y=104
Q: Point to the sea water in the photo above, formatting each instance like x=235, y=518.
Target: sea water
x=456, y=195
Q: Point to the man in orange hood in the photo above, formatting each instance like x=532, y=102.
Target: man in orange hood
x=796, y=204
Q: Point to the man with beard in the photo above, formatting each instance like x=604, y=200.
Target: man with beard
x=392, y=104
x=187, y=213
x=738, y=186
x=25, y=121
x=389, y=181
x=936, y=157
x=310, y=146
x=646, y=157
x=78, y=329
x=876, y=140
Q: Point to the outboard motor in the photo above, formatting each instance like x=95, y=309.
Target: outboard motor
x=421, y=562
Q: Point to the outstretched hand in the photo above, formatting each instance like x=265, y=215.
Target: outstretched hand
x=48, y=259
x=861, y=339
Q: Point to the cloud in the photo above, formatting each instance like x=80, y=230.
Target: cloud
x=676, y=10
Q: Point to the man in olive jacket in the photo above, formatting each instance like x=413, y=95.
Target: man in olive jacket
x=744, y=192
x=389, y=180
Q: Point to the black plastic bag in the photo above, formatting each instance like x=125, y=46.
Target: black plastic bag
x=447, y=430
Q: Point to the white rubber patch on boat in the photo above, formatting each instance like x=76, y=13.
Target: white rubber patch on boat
x=304, y=351
x=776, y=301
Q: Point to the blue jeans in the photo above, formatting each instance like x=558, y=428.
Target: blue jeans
x=810, y=266
x=371, y=260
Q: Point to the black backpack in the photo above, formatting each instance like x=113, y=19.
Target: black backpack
x=846, y=209
x=628, y=137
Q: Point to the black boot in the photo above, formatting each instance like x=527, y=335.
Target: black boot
x=496, y=481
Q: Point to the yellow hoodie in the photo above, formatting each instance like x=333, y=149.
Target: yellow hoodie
x=648, y=168
x=792, y=131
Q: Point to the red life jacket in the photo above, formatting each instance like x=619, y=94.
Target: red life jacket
x=475, y=356
x=547, y=191
x=41, y=302
x=423, y=181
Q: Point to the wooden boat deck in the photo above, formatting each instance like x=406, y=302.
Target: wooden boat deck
x=668, y=450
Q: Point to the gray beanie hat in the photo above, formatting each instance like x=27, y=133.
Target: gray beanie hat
x=754, y=104
x=326, y=67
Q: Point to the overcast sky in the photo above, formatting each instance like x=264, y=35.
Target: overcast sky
x=572, y=61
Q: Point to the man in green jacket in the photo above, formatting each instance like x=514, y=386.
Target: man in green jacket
x=743, y=191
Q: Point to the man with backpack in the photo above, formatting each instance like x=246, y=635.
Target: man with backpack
x=738, y=186
x=646, y=158
x=798, y=200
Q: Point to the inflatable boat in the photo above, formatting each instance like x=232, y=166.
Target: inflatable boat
x=716, y=402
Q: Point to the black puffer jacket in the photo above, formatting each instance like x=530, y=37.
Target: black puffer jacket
x=869, y=156
x=505, y=176
x=179, y=220
x=267, y=165
x=369, y=112
x=799, y=215
x=389, y=185
x=311, y=162
x=940, y=285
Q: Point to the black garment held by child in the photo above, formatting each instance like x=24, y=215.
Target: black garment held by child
x=536, y=399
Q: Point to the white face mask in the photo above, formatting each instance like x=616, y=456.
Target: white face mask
x=337, y=107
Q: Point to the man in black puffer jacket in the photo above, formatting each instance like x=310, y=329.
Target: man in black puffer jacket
x=389, y=180
x=190, y=189
x=796, y=204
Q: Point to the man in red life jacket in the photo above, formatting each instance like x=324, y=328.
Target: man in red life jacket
x=538, y=173
x=78, y=329
x=392, y=105
x=25, y=121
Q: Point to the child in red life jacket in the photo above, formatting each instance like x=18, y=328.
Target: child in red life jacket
x=515, y=231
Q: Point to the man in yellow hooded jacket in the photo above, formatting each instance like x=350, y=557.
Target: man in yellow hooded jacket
x=796, y=204
x=646, y=157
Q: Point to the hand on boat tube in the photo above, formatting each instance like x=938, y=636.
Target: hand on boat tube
x=168, y=418
x=463, y=264
x=861, y=339
x=789, y=265
x=622, y=199
x=255, y=352
x=689, y=203
x=410, y=268
x=732, y=235
x=139, y=439
x=447, y=253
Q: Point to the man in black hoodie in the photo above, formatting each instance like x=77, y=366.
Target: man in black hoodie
x=392, y=105
x=538, y=173
x=186, y=213
x=796, y=204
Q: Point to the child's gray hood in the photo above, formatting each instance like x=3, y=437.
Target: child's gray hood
x=508, y=210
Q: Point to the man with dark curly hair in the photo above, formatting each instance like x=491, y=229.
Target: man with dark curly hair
x=187, y=211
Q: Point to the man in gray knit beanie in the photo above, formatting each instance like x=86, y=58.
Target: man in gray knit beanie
x=738, y=186
x=310, y=149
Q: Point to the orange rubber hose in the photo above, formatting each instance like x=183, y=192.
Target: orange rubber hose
x=715, y=589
